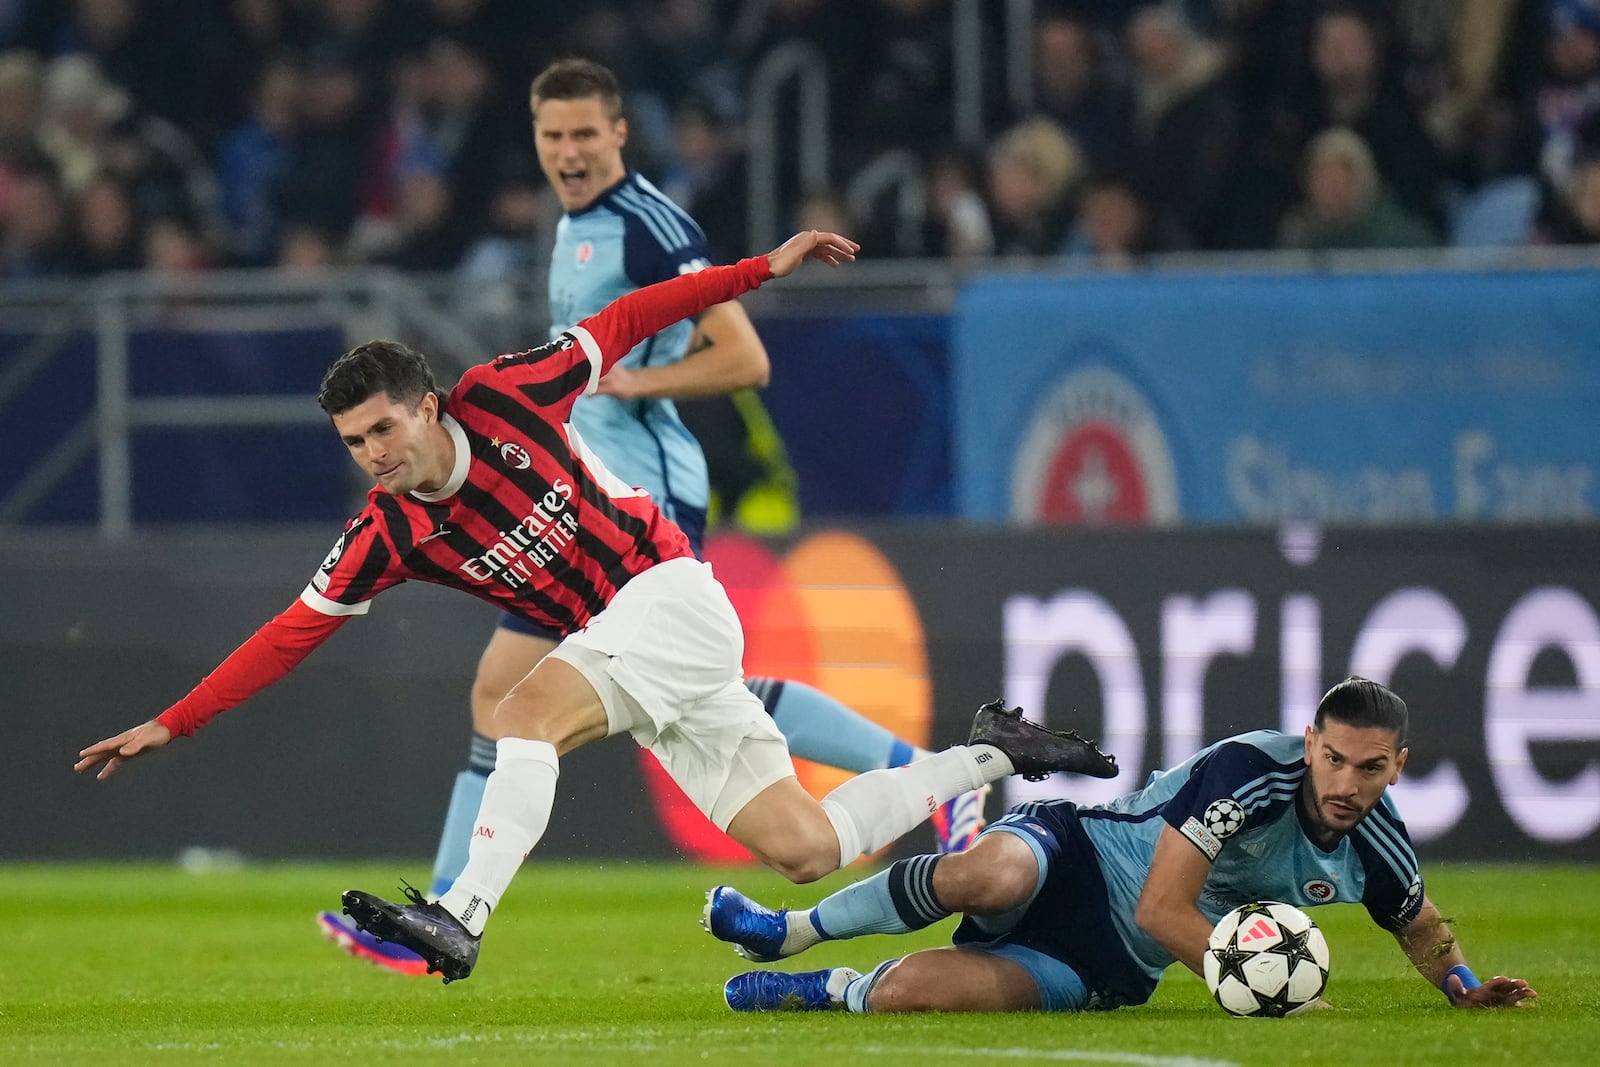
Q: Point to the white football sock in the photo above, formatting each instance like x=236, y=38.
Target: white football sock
x=873, y=809
x=512, y=818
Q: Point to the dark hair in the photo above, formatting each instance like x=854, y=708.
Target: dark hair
x=1358, y=702
x=578, y=79
x=376, y=367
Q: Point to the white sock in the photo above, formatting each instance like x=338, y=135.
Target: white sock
x=873, y=809
x=517, y=800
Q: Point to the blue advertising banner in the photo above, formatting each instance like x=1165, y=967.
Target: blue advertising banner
x=1355, y=398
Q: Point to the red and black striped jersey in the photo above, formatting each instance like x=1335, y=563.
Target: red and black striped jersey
x=530, y=518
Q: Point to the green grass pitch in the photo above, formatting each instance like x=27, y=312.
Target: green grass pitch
x=606, y=965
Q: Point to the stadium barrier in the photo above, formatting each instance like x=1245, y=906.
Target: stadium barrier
x=1438, y=394
x=1155, y=641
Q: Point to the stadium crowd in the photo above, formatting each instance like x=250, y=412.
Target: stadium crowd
x=187, y=134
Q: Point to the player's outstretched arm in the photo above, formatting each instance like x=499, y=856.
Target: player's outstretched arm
x=1431, y=946
x=113, y=752
x=725, y=354
x=609, y=335
x=829, y=248
x=270, y=653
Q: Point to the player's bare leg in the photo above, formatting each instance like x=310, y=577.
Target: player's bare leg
x=936, y=979
x=953, y=979
x=785, y=828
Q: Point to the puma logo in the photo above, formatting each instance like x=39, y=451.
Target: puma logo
x=440, y=532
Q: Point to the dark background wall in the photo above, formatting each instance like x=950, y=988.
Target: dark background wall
x=354, y=753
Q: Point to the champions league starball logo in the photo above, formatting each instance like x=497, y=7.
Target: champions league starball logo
x=1094, y=453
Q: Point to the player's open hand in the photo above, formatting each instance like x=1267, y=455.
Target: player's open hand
x=113, y=752
x=1497, y=992
x=827, y=248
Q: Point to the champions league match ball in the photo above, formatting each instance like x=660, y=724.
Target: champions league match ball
x=1266, y=959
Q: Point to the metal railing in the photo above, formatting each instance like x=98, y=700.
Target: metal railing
x=805, y=64
x=369, y=303
x=363, y=303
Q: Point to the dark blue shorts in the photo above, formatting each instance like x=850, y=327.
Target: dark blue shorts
x=1068, y=919
x=691, y=520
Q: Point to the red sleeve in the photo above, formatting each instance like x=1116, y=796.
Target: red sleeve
x=270, y=653
x=612, y=333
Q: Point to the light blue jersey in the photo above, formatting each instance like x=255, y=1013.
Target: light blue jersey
x=1236, y=802
x=633, y=236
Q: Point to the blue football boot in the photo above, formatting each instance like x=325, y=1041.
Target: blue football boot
x=782, y=991
x=756, y=932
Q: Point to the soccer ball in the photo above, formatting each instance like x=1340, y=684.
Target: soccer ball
x=1266, y=959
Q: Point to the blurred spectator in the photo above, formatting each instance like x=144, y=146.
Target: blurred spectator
x=1345, y=204
x=1354, y=90
x=504, y=265
x=20, y=77
x=1072, y=86
x=1454, y=52
x=254, y=160
x=172, y=246
x=106, y=233
x=906, y=98
x=139, y=44
x=825, y=210
x=1032, y=170
x=1185, y=132
x=33, y=239
x=233, y=49
x=477, y=134
x=426, y=235
x=1566, y=119
x=164, y=171
x=304, y=247
x=89, y=126
x=331, y=168
x=958, y=223
x=365, y=32
x=707, y=178
x=1573, y=217
x=79, y=109
x=681, y=57
x=1115, y=229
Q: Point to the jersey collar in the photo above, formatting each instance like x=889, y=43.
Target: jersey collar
x=458, y=473
x=605, y=197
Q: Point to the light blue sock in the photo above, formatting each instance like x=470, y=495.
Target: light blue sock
x=857, y=992
x=867, y=907
x=465, y=799
x=821, y=729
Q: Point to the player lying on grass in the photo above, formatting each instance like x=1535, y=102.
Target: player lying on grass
x=1067, y=908
x=494, y=493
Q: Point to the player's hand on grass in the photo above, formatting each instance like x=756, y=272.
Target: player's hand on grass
x=829, y=248
x=113, y=752
x=1497, y=992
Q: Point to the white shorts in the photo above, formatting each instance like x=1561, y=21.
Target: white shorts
x=664, y=656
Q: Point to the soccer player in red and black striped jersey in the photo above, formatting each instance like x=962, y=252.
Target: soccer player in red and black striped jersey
x=492, y=491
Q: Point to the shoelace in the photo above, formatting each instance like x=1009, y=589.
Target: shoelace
x=412, y=893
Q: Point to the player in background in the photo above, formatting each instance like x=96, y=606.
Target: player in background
x=494, y=492
x=1068, y=908
x=619, y=233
